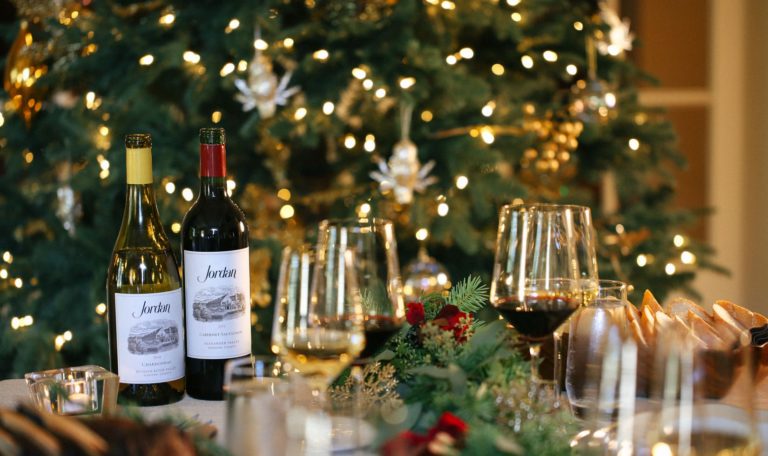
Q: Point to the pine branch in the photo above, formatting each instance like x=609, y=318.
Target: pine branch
x=469, y=294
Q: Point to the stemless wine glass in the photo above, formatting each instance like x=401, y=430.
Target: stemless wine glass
x=702, y=397
x=597, y=329
x=536, y=283
x=377, y=274
x=318, y=326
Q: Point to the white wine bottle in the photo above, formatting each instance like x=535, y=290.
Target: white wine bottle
x=146, y=315
x=217, y=293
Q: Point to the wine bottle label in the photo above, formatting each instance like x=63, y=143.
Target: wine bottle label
x=150, y=334
x=217, y=291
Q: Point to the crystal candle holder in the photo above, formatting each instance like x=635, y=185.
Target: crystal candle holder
x=82, y=390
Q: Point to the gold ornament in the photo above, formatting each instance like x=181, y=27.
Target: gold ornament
x=25, y=64
x=549, y=163
x=260, y=260
x=424, y=275
x=403, y=173
x=262, y=90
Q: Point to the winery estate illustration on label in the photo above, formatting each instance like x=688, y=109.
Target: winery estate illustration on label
x=217, y=290
x=150, y=334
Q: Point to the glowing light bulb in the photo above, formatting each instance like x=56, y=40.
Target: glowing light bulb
x=517, y=17
x=670, y=269
x=167, y=19
x=321, y=55
x=497, y=69
x=349, y=141
x=571, y=69
x=7, y=257
x=451, y=60
x=233, y=24
x=678, y=240
x=380, y=93
x=442, y=209
x=191, y=57
x=487, y=110
x=228, y=68
x=101, y=308
x=286, y=211
x=368, y=84
x=328, y=108
x=513, y=2
x=3, y=273
x=260, y=44
x=359, y=73
x=242, y=65
x=67, y=335
x=634, y=144
x=147, y=60
x=176, y=227
x=288, y=43
x=550, y=56
x=284, y=194
x=187, y=194
x=216, y=117
x=370, y=143
x=527, y=61
x=578, y=26
x=300, y=113
x=365, y=209
x=462, y=182
x=486, y=134
x=422, y=234
x=426, y=116
x=18, y=283
x=642, y=260
x=407, y=83
x=466, y=53
x=687, y=257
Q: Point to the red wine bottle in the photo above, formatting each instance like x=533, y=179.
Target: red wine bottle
x=214, y=242
x=146, y=316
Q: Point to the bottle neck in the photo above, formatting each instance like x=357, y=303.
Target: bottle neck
x=213, y=187
x=141, y=222
x=213, y=169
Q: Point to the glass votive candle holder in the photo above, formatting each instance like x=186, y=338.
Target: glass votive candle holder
x=81, y=390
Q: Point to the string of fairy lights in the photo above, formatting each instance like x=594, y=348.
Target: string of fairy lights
x=362, y=75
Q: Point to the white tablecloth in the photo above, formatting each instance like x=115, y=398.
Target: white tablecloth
x=14, y=391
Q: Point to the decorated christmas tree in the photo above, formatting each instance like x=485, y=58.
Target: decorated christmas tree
x=433, y=113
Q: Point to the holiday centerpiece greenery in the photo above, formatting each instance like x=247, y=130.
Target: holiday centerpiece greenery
x=458, y=383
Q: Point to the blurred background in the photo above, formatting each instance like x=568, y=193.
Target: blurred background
x=430, y=112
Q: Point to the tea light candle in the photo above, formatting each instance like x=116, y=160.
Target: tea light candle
x=77, y=400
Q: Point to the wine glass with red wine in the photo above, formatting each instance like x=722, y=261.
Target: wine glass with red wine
x=378, y=275
x=536, y=282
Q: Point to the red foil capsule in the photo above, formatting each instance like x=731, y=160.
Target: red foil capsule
x=213, y=160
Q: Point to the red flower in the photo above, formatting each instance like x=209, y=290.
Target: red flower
x=451, y=425
x=409, y=443
x=414, y=313
x=450, y=319
x=406, y=443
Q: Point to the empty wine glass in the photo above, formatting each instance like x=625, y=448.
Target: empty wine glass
x=318, y=326
x=377, y=274
x=536, y=282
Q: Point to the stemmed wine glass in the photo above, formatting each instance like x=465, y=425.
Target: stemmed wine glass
x=377, y=275
x=536, y=282
x=318, y=326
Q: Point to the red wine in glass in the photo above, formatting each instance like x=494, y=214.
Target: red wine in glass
x=378, y=330
x=537, y=316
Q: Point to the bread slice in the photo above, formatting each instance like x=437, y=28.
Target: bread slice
x=648, y=324
x=681, y=306
x=650, y=301
x=707, y=333
x=725, y=323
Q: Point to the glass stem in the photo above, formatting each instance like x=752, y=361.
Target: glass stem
x=535, y=350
